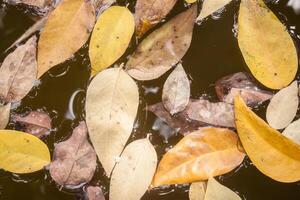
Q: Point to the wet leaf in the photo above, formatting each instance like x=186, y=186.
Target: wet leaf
x=68, y=28
x=209, y=7
x=4, y=115
x=163, y=48
x=110, y=38
x=293, y=131
x=111, y=107
x=37, y=3
x=74, y=160
x=218, y=114
x=240, y=83
x=283, y=107
x=94, y=193
x=176, y=91
x=266, y=45
x=133, y=174
x=272, y=153
x=21, y=152
x=199, y=155
x=197, y=191
x=18, y=72
x=37, y=123
x=150, y=12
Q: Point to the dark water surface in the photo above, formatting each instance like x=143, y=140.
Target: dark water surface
x=213, y=54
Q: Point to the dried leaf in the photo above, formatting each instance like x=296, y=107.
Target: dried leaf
x=37, y=123
x=21, y=152
x=4, y=115
x=101, y=5
x=209, y=7
x=218, y=114
x=150, y=12
x=74, y=160
x=199, y=155
x=110, y=37
x=111, y=106
x=239, y=83
x=133, y=174
x=272, y=153
x=293, y=131
x=18, y=72
x=176, y=91
x=266, y=45
x=163, y=48
x=283, y=107
x=197, y=191
x=94, y=193
x=68, y=28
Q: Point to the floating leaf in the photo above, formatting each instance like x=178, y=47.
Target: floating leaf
x=94, y=193
x=197, y=191
x=199, y=155
x=293, y=131
x=240, y=84
x=176, y=91
x=133, y=174
x=209, y=7
x=111, y=106
x=150, y=12
x=110, y=37
x=266, y=45
x=283, y=107
x=68, y=28
x=21, y=152
x=272, y=153
x=4, y=115
x=163, y=48
x=18, y=72
x=74, y=160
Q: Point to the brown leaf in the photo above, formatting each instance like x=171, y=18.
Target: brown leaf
x=163, y=48
x=37, y=123
x=240, y=83
x=18, y=72
x=94, y=193
x=4, y=115
x=37, y=3
x=150, y=12
x=198, y=156
x=74, y=160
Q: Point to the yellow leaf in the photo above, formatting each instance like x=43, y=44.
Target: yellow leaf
x=211, y=6
x=190, y=1
x=266, y=45
x=21, y=152
x=110, y=37
x=68, y=28
x=272, y=153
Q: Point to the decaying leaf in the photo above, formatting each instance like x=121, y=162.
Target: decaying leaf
x=67, y=28
x=110, y=38
x=199, y=155
x=74, y=160
x=293, y=131
x=216, y=191
x=94, y=193
x=101, y=5
x=21, y=152
x=176, y=91
x=163, y=48
x=37, y=123
x=240, y=83
x=209, y=7
x=150, y=12
x=4, y=115
x=197, y=191
x=266, y=45
x=18, y=72
x=272, y=153
x=134, y=172
x=41, y=4
x=218, y=114
x=111, y=106
x=283, y=107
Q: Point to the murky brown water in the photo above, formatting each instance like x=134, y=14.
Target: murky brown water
x=61, y=92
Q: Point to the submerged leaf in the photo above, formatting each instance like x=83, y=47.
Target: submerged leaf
x=176, y=91
x=283, y=107
x=163, y=48
x=111, y=107
x=211, y=6
x=293, y=131
x=133, y=173
x=199, y=155
x=4, y=115
x=272, y=153
x=74, y=160
x=18, y=72
x=197, y=191
x=67, y=28
x=266, y=45
x=21, y=152
x=94, y=193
